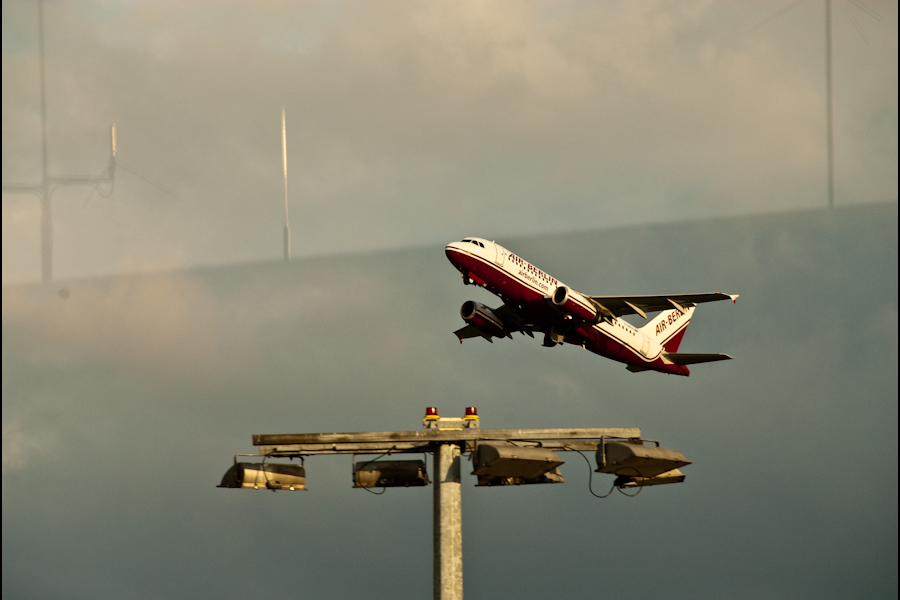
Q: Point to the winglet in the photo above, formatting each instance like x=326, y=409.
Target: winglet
x=733, y=297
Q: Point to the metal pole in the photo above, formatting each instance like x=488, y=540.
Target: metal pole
x=828, y=108
x=448, y=573
x=46, y=217
x=287, y=221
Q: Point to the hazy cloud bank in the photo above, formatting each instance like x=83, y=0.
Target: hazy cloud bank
x=410, y=123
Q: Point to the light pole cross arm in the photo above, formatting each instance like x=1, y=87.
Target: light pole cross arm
x=423, y=440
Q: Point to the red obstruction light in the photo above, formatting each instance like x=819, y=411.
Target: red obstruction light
x=431, y=413
x=471, y=412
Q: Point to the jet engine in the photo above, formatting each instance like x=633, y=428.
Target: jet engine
x=572, y=303
x=482, y=318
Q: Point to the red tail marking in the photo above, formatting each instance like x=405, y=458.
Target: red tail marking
x=672, y=344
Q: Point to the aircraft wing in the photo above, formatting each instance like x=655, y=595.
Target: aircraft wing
x=639, y=305
x=512, y=323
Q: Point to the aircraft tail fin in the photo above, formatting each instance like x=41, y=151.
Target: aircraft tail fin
x=667, y=329
x=693, y=359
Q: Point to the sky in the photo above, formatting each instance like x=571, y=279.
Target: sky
x=125, y=402
x=623, y=147
x=416, y=123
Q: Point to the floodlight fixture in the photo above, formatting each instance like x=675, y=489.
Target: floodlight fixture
x=507, y=464
x=637, y=461
x=626, y=481
x=390, y=473
x=271, y=476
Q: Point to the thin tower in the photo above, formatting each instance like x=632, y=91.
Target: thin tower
x=287, y=226
x=829, y=91
x=46, y=217
x=828, y=103
x=44, y=190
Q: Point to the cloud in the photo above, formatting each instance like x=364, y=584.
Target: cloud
x=158, y=326
x=19, y=442
x=140, y=426
x=408, y=123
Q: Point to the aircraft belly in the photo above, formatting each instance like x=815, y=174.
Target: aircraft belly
x=602, y=344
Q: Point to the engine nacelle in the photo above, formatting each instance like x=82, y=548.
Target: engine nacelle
x=572, y=303
x=482, y=318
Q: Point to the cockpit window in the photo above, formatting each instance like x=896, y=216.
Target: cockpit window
x=480, y=244
x=465, y=241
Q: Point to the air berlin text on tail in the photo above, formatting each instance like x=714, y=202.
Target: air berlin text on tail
x=535, y=302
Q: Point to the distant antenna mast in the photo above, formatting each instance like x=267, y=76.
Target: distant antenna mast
x=829, y=104
x=48, y=184
x=287, y=224
x=103, y=184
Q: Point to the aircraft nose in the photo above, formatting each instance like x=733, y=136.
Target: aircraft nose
x=451, y=250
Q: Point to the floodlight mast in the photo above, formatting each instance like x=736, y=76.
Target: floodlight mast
x=446, y=439
x=448, y=568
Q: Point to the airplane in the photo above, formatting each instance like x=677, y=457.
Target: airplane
x=533, y=301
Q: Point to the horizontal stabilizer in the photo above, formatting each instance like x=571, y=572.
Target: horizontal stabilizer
x=693, y=359
x=469, y=332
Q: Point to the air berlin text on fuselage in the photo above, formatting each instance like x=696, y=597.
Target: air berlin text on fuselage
x=673, y=316
x=531, y=273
